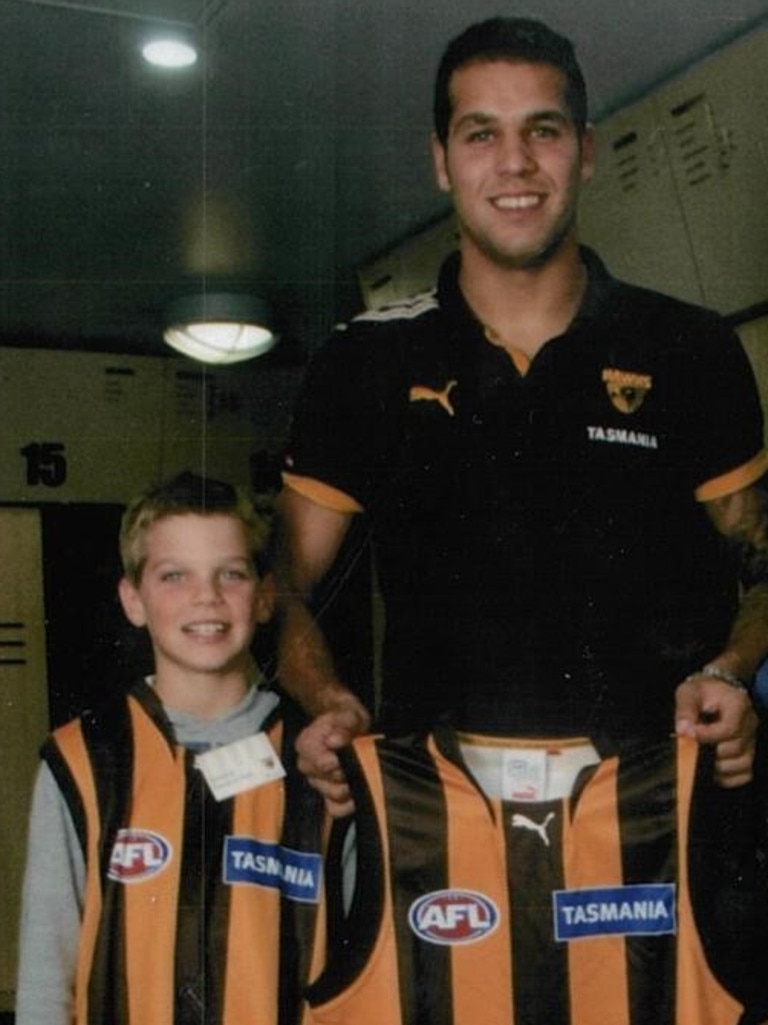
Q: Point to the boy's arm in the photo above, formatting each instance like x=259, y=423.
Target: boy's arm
x=52, y=896
x=311, y=536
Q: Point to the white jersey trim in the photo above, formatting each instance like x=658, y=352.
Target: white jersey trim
x=406, y=309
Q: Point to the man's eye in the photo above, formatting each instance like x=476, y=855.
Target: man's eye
x=545, y=132
x=481, y=135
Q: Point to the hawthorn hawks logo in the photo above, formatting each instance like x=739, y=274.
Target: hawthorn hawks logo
x=626, y=390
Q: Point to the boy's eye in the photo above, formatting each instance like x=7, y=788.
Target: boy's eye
x=234, y=574
x=171, y=575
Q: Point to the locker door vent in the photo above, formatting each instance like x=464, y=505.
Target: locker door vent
x=12, y=644
x=635, y=160
x=380, y=282
x=626, y=161
x=116, y=381
x=206, y=396
x=693, y=135
x=190, y=395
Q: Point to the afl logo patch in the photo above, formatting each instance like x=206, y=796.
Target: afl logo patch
x=450, y=917
x=138, y=854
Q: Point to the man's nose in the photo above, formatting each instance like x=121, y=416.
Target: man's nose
x=514, y=154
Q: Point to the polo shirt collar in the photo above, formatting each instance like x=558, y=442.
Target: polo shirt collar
x=600, y=285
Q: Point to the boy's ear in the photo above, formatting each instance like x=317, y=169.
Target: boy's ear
x=133, y=606
x=264, y=604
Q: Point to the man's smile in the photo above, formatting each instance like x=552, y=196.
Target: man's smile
x=524, y=202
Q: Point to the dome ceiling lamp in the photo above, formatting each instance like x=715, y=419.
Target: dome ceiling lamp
x=170, y=52
x=220, y=327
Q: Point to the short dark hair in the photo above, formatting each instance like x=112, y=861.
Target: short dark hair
x=509, y=39
x=186, y=493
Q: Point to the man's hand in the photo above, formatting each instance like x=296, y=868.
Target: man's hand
x=713, y=712
x=317, y=745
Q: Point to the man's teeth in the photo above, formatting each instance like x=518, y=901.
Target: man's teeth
x=516, y=202
x=205, y=629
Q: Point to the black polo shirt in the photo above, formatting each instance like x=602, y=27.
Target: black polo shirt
x=547, y=566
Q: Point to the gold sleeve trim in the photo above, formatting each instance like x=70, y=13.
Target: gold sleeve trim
x=735, y=480
x=322, y=494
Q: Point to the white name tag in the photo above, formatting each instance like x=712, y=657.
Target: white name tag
x=524, y=774
x=240, y=766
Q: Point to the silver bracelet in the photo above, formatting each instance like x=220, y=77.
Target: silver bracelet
x=716, y=673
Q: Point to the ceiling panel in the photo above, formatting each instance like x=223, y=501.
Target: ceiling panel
x=184, y=12
x=297, y=147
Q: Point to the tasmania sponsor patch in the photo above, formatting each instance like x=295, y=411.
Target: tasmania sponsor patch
x=138, y=854
x=449, y=917
x=620, y=436
x=297, y=874
x=641, y=910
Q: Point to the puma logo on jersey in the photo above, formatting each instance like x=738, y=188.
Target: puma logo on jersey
x=420, y=393
x=537, y=827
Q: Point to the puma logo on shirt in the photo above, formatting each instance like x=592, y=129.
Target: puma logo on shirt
x=421, y=393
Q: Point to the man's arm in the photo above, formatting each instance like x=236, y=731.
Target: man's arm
x=708, y=708
x=311, y=536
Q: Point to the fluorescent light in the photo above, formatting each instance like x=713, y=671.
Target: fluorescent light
x=219, y=327
x=169, y=53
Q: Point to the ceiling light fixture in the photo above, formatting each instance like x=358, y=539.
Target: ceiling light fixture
x=169, y=53
x=220, y=327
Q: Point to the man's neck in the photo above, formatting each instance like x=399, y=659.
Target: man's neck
x=522, y=308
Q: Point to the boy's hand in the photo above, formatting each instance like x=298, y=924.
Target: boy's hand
x=317, y=745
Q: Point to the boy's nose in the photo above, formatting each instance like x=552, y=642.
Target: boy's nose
x=207, y=591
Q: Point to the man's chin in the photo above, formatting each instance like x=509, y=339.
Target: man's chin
x=522, y=257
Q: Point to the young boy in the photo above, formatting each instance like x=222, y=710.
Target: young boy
x=173, y=870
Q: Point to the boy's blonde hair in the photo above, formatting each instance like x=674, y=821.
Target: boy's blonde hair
x=190, y=493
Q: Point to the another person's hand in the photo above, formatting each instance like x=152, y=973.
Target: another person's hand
x=317, y=747
x=713, y=712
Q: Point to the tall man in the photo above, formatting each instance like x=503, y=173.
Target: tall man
x=561, y=470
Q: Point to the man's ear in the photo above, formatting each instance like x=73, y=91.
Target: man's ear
x=264, y=603
x=588, y=146
x=130, y=599
x=440, y=163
